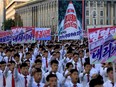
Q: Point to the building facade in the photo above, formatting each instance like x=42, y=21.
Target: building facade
x=1, y=14
x=10, y=5
x=44, y=13
x=39, y=13
x=100, y=13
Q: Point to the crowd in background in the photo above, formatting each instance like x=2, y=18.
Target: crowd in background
x=52, y=64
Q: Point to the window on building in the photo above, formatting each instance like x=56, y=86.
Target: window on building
x=94, y=21
x=101, y=13
x=87, y=21
x=91, y=3
x=94, y=3
x=98, y=4
x=114, y=23
x=101, y=4
x=87, y=13
x=101, y=21
x=94, y=13
x=87, y=3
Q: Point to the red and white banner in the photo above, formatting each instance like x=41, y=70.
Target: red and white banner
x=102, y=44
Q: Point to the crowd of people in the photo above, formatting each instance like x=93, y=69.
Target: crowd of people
x=52, y=64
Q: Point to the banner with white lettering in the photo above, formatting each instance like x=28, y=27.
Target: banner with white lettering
x=70, y=19
x=102, y=44
x=43, y=33
x=23, y=35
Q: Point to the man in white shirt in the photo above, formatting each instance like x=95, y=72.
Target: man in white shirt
x=52, y=81
x=67, y=59
x=8, y=55
x=85, y=77
x=74, y=79
x=56, y=57
x=9, y=74
x=54, y=68
x=22, y=79
x=33, y=58
x=28, y=57
x=2, y=76
x=110, y=81
x=75, y=62
x=81, y=59
x=46, y=61
x=96, y=82
x=103, y=72
x=36, y=82
x=69, y=66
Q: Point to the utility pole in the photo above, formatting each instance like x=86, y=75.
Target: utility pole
x=4, y=13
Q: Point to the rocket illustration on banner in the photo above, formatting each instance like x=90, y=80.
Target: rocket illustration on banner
x=70, y=21
x=70, y=17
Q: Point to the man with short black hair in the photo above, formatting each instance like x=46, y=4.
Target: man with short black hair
x=110, y=81
x=74, y=79
x=51, y=81
x=54, y=70
x=96, y=82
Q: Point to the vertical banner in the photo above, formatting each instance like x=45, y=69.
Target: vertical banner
x=70, y=19
x=102, y=44
x=43, y=33
x=5, y=36
x=23, y=35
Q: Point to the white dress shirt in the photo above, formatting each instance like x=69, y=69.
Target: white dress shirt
x=1, y=78
x=44, y=64
x=1, y=57
x=93, y=71
x=68, y=79
x=84, y=79
x=9, y=79
x=97, y=67
x=35, y=51
x=65, y=61
x=20, y=79
x=70, y=84
x=82, y=63
x=5, y=59
x=103, y=73
x=77, y=66
x=34, y=84
x=108, y=83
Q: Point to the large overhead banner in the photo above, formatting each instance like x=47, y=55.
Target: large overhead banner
x=71, y=19
x=102, y=44
x=43, y=33
x=23, y=35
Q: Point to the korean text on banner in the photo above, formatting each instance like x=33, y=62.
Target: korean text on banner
x=102, y=44
x=43, y=33
x=23, y=35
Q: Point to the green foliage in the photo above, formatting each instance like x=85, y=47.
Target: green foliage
x=8, y=24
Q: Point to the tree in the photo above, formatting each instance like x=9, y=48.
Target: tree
x=18, y=20
x=8, y=24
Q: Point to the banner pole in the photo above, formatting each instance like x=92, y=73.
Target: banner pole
x=114, y=73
